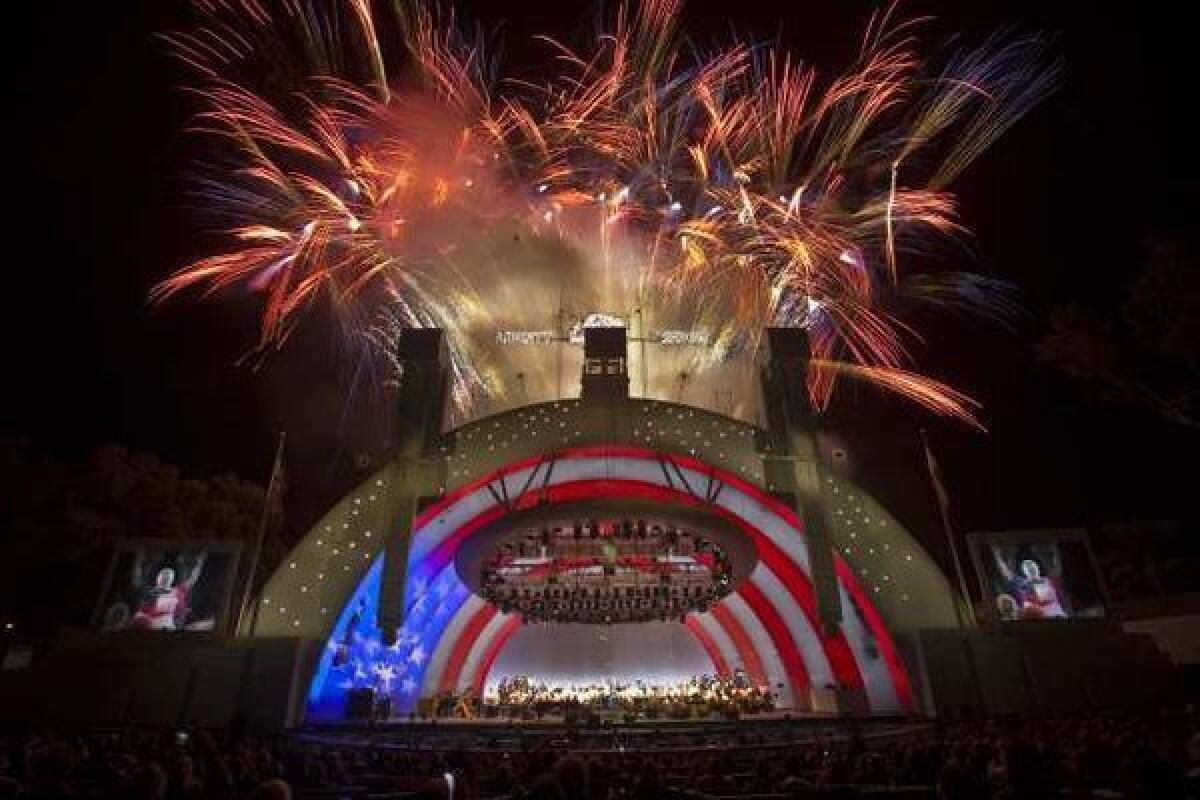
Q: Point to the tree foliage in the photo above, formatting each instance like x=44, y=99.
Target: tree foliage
x=1145, y=353
x=60, y=522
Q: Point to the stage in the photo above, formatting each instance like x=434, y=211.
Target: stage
x=776, y=729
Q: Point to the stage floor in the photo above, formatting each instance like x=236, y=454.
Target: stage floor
x=778, y=729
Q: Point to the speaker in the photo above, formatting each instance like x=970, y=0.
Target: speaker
x=359, y=703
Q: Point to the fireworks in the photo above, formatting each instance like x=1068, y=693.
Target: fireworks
x=380, y=166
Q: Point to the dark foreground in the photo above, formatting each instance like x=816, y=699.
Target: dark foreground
x=1154, y=755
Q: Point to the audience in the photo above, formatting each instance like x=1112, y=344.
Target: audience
x=1147, y=756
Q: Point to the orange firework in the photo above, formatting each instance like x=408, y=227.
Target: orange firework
x=723, y=191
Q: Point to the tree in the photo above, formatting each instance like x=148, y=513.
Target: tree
x=1146, y=354
x=61, y=521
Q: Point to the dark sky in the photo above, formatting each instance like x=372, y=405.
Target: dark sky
x=1062, y=207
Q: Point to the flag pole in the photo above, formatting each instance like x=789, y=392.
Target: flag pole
x=247, y=614
x=963, y=609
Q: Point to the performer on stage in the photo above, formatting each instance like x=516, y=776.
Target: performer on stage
x=466, y=705
x=519, y=696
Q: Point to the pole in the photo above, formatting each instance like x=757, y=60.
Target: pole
x=247, y=614
x=563, y=334
x=964, y=611
x=642, y=347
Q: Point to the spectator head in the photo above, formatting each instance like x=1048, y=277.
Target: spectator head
x=273, y=790
x=151, y=782
x=545, y=787
x=572, y=774
x=434, y=789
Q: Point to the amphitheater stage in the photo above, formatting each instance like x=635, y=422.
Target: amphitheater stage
x=781, y=727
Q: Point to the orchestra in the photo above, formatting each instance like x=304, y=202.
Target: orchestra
x=521, y=697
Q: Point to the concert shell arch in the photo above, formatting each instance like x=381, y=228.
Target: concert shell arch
x=791, y=622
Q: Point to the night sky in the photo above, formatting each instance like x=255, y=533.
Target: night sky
x=1062, y=207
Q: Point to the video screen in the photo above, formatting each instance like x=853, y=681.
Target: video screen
x=168, y=587
x=1041, y=579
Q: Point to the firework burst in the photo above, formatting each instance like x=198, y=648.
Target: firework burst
x=721, y=191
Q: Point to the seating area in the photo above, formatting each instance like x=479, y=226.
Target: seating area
x=1148, y=756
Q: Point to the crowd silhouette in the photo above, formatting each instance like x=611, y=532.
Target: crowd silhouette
x=1113, y=756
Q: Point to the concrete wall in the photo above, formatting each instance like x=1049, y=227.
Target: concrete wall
x=1038, y=668
x=142, y=680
